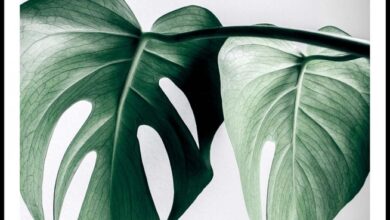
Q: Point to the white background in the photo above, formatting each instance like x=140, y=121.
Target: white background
x=222, y=199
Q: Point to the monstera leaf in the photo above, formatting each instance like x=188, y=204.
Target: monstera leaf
x=94, y=50
x=315, y=106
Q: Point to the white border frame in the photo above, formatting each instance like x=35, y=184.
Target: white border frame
x=11, y=110
x=378, y=113
x=378, y=110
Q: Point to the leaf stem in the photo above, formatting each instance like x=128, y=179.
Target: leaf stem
x=330, y=58
x=347, y=44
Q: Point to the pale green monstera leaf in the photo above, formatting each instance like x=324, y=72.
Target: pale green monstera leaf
x=94, y=50
x=314, y=108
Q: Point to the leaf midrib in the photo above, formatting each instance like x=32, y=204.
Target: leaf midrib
x=295, y=122
x=304, y=63
x=125, y=91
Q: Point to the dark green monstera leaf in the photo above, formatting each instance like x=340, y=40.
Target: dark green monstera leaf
x=315, y=108
x=94, y=50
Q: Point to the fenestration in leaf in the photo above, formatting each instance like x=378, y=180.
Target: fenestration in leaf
x=315, y=110
x=94, y=50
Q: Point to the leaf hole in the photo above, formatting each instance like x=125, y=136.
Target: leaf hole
x=67, y=127
x=78, y=187
x=179, y=100
x=157, y=169
x=267, y=156
x=24, y=212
